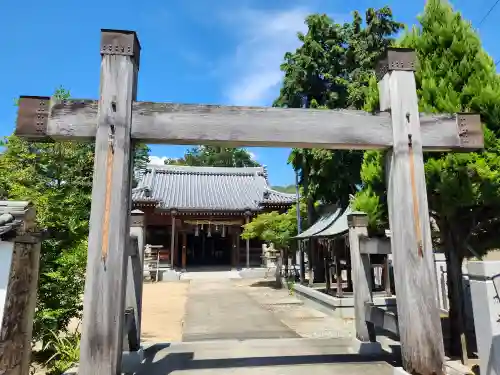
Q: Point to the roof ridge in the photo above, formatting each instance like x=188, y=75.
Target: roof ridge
x=184, y=169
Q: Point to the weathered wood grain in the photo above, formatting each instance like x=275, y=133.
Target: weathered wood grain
x=416, y=294
x=387, y=277
x=253, y=126
x=171, y=123
x=133, y=296
x=361, y=276
x=131, y=339
x=381, y=318
x=375, y=246
x=18, y=309
x=338, y=245
x=104, y=299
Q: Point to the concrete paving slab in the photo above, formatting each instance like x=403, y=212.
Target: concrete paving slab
x=210, y=275
x=216, y=309
x=319, y=328
x=303, y=319
x=266, y=357
x=316, y=369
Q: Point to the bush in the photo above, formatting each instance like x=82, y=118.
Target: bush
x=65, y=351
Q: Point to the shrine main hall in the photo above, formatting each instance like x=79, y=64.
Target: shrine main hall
x=194, y=215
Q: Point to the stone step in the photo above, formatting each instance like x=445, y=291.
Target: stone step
x=259, y=356
x=256, y=348
x=265, y=356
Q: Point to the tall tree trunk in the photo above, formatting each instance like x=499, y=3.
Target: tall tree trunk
x=454, y=258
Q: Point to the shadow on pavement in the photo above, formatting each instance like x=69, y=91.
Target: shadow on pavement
x=266, y=284
x=185, y=361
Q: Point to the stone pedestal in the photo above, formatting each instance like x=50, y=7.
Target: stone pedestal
x=486, y=305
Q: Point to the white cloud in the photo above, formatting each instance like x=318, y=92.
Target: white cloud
x=254, y=68
x=252, y=155
x=157, y=160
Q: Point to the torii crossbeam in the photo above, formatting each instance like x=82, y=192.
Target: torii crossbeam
x=116, y=120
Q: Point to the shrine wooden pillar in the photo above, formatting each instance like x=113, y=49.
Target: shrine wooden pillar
x=135, y=270
x=361, y=275
x=238, y=234
x=234, y=258
x=247, y=241
x=184, y=244
x=172, y=238
x=338, y=243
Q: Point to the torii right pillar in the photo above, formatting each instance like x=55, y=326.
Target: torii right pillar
x=416, y=293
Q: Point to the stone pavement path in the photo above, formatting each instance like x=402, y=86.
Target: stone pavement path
x=240, y=326
x=218, y=310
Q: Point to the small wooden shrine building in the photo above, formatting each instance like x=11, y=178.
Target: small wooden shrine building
x=196, y=213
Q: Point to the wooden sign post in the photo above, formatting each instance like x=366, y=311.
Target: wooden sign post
x=116, y=119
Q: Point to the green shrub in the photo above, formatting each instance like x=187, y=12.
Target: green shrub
x=65, y=351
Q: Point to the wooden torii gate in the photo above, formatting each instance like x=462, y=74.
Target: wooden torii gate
x=117, y=120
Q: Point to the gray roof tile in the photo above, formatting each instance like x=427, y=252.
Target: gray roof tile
x=207, y=188
x=8, y=223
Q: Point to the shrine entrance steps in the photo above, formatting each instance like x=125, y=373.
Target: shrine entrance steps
x=243, y=326
x=291, y=356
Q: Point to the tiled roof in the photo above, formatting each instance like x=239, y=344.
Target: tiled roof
x=325, y=220
x=207, y=188
x=8, y=223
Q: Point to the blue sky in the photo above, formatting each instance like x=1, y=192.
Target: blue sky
x=194, y=51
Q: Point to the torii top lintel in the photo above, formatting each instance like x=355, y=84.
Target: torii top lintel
x=44, y=119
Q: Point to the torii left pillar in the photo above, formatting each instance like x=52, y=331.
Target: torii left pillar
x=109, y=237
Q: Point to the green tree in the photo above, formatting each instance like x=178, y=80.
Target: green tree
x=290, y=189
x=331, y=69
x=210, y=156
x=275, y=228
x=455, y=74
x=57, y=178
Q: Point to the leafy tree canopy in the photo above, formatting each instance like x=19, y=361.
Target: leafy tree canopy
x=275, y=228
x=210, y=156
x=290, y=189
x=454, y=74
x=332, y=69
x=57, y=178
